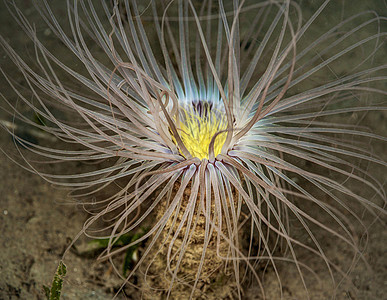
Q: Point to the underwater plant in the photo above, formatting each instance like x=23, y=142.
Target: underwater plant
x=224, y=126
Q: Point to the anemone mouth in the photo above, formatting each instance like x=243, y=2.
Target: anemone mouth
x=201, y=125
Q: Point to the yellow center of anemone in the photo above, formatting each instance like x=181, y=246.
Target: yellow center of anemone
x=196, y=131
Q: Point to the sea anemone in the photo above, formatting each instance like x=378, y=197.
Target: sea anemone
x=226, y=126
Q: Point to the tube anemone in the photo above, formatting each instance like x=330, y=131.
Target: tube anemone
x=226, y=125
